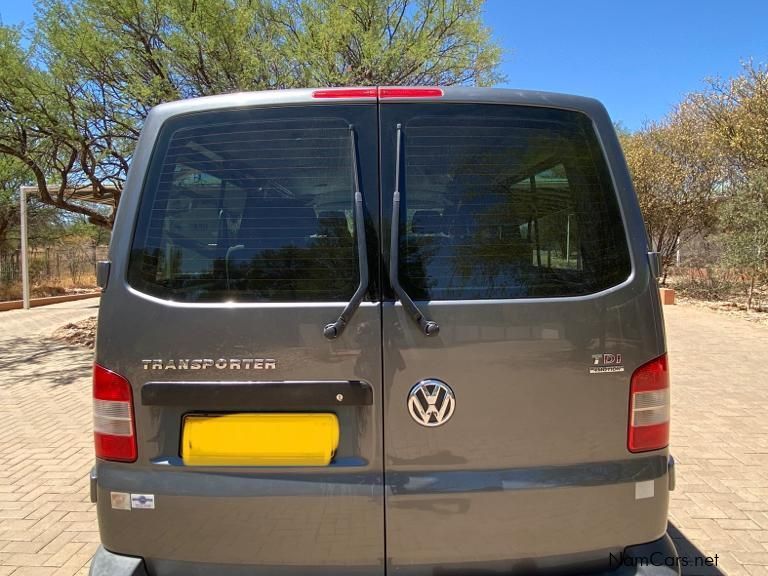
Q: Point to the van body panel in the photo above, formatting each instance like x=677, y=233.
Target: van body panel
x=305, y=517
x=210, y=514
x=230, y=517
x=532, y=470
x=519, y=367
x=529, y=359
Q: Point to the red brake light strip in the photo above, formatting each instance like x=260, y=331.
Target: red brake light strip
x=410, y=92
x=382, y=93
x=345, y=93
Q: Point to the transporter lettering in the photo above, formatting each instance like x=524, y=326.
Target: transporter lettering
x=206, y=363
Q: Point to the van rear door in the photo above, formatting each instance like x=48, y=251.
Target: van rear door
x=506, y=430
x=245, y=250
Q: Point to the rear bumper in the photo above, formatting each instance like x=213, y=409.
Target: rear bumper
x=228, y=524
x=657, y=558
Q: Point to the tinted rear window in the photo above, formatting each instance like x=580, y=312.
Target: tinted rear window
x=505, y=202
x=249, y=205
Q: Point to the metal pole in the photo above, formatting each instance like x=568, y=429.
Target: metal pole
x=24, y=252
x=568, y=240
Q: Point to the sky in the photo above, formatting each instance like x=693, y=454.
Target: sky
x=639, y=57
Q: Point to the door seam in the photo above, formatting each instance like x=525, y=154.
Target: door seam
x=380, y=250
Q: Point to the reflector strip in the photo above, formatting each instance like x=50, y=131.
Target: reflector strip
x=345, y=93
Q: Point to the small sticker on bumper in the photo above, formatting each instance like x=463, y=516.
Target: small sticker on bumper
x=120, y=500
x=644, y=489
x=143, y=501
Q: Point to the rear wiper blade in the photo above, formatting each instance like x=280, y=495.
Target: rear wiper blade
x=334, y=329
x=428, y=327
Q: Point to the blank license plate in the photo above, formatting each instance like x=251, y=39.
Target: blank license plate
x=259, y=439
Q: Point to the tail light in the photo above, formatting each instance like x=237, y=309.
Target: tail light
x=114, y=431
x=649, y=406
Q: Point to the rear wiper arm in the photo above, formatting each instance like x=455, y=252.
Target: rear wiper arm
x=428, y=327
x=334, y=329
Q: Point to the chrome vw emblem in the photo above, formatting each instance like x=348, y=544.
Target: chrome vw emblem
x=431, y=403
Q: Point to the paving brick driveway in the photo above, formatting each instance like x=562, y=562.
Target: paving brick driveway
x=47, y=522
x=719, y=436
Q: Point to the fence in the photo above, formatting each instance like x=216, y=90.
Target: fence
x=52, y=270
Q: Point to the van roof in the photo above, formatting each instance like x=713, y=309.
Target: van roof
x=452, y=94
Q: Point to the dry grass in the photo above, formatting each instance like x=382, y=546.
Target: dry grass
x=48, y=288
x=722, y=290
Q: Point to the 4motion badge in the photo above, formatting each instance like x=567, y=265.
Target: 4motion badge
x=431, y=403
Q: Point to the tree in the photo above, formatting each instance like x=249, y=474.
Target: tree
x=736, y=113
x=393, y=42
x=73, y=101
x=44, y=221
x=744, y=223
x=677, y=172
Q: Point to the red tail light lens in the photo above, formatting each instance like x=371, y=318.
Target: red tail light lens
x=410, y=92
x=345, y=93
x=113, y=424
x=649, y=406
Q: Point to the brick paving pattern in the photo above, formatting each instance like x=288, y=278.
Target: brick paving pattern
x=47, y=521
x=719, y=438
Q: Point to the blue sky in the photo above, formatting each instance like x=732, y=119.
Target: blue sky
x=638, y=56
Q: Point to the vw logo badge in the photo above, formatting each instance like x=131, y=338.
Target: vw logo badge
x=431, y=403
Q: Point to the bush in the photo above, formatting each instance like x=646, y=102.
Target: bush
x=719, y=285
x=706, y=283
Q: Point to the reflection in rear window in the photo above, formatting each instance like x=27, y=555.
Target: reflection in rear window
x=507, y=202
x=248, y=206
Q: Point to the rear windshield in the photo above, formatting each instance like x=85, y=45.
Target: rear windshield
x=504, y=202
x=256, y=205
x=249, y=205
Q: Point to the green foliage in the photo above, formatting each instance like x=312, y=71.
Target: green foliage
x=677, y=174
x=369, y=42
x=744, y=223
x=736, y=113
x=72, y=103
x=79, y=231
x=704, y=169
x=45, y=223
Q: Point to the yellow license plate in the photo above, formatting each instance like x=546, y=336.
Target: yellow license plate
x=259, y=439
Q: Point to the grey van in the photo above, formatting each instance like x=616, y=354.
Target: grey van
x=410, y=331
